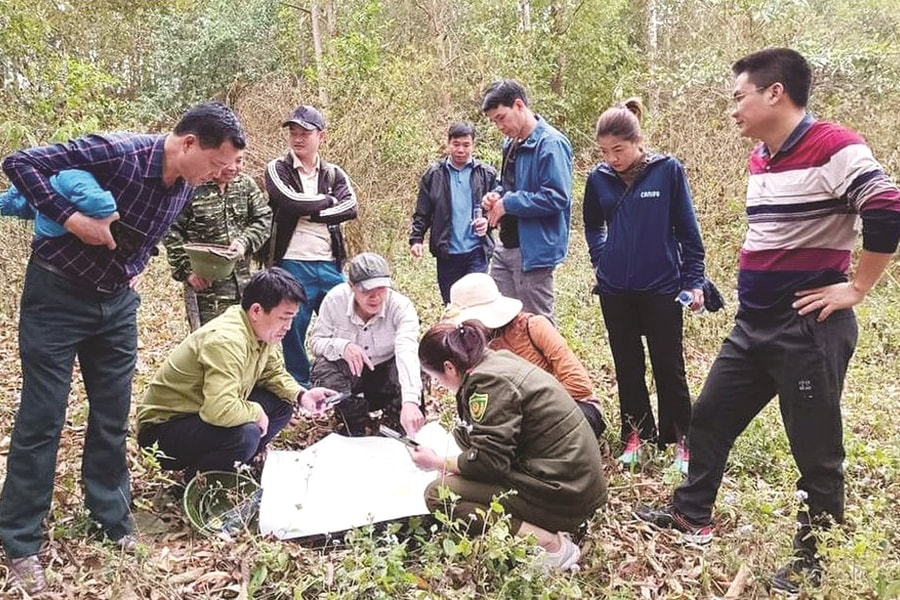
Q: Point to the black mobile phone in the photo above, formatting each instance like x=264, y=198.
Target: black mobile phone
x=396, y=435
x=128, y=239
x=337, y=399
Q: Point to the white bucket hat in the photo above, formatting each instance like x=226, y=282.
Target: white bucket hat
x=475, y=296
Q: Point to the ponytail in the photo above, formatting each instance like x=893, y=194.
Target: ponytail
x=622, y=121
x=463, y=345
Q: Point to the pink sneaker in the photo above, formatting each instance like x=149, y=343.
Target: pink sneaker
x=632, y=454
x=682, y=457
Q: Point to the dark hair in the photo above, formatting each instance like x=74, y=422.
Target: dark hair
x=622, y=121
x=463, y=345
x=504, y=92
x=213, y=123
x=461, y=129
x=778, y=65
x=271, y=287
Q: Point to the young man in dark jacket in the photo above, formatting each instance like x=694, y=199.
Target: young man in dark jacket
x=310, y=199
x=449, y=204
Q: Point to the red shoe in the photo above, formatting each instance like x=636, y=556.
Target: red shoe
x=632, y=454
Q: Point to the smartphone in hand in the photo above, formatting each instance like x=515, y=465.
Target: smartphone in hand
x=396, y=435
x=128, y=239
x=331, y=401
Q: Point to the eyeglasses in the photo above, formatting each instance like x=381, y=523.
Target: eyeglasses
x=739, y=97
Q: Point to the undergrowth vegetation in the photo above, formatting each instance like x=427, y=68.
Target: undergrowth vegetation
x=392, y=75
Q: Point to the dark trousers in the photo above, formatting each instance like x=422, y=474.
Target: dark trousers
x=804, y=363
x=452, y=267
x=475, y=498
x=660, y=319
x=60, y=320
x=317, y=278
x=379, y=388
x=191, y=444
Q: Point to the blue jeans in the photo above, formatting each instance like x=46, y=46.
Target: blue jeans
x=194, y=445
x=317, y=278
x=452, y=267
x=61, y=320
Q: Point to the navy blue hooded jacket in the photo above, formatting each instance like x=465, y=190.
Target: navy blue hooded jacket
x=644, y=238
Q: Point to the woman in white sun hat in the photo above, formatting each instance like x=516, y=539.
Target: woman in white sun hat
x=532, y=337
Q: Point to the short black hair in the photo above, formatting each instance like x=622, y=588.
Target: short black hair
x=778, y=65
x=504, y=92
x=271, y=287
x=213, y=123
x=461, y=129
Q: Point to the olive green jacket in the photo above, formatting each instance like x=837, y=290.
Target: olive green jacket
x=212, y=372
x=521, y=428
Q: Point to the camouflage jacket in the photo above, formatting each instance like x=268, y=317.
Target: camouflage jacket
x=215, y=217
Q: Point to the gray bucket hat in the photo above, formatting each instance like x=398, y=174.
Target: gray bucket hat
x=368, y=271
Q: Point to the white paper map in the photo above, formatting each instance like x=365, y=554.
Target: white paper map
x=340, y=482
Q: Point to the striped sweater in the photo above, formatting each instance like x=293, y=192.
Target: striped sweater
x=804, y=205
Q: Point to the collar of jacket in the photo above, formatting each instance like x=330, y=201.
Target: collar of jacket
x=534, y=137
x=652, y=159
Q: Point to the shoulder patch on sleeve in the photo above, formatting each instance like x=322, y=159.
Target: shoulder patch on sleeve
x=478, y=405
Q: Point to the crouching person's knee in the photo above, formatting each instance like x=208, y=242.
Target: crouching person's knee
x=242, y=444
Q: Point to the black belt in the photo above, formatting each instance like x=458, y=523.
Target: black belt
x=85, y=285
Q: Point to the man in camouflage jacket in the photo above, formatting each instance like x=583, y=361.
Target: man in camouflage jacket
x=229, y=211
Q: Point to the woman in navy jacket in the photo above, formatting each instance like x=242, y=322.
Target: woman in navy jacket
x=645, y=247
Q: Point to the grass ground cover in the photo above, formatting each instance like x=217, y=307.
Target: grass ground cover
x=623, y=558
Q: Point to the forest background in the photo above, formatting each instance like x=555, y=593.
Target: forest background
x=390, y=76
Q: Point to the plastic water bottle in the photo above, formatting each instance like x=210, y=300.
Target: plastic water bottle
x=685, y=298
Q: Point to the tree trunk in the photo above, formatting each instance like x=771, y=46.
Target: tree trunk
x=315, y=18
x=438, y=13
x=558, y=28
x=653, y=50
x=331, y=19
x=524, y=15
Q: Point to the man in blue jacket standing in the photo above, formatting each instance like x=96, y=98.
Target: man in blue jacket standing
x=533, y=204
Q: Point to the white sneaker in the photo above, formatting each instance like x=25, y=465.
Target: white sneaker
x=564, y=559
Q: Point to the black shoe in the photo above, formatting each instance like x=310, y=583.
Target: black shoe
x=667, y=518
x=802, y=570
x=353, y=417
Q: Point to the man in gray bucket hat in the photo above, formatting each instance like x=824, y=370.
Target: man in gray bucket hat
x=365, y=342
